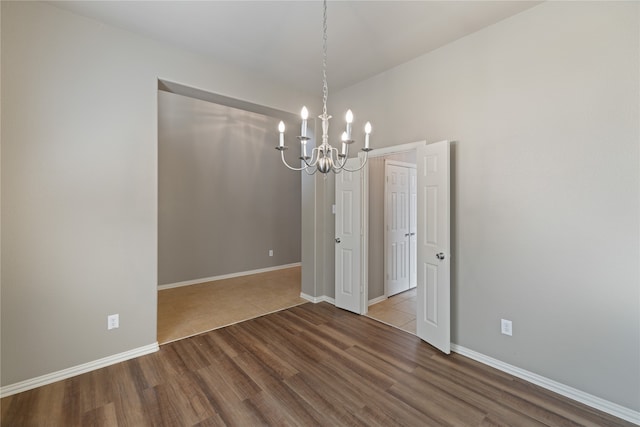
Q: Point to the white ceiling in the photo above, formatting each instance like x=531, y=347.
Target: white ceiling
x=283, y=39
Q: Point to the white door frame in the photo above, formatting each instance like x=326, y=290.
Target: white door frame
x=378, y=152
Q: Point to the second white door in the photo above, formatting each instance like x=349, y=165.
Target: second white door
x=400, y=227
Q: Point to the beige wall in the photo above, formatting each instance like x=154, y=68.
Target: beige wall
x=79, y=182
x=224, y=197
x=544, y=109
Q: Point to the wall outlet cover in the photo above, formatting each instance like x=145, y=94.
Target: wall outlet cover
x=506, y=327
x=113, y=321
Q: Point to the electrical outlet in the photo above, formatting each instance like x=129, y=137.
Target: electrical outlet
x=270, y=252
x=333, y=209
x=506, y=327
x=113, y=321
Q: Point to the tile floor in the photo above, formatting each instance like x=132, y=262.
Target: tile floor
x=398, y=310
x=191, y=310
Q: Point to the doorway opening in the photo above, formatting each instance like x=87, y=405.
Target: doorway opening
x=391, y=245
x=229, y=214
x=433, y=311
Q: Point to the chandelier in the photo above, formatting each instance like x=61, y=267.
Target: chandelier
x=325, y=158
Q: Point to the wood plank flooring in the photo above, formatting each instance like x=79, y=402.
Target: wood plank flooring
x=312, y=364
x=194, y=309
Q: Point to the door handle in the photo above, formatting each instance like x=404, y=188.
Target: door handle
x=440, y=255
x=407, y=234
x=337, y=240
x=413, y=234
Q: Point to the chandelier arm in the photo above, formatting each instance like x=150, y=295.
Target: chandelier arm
x=341, y=162
x=314, y=170
x=287, y=165
x=335, y=159
x=339, y=165
x=312, y=163
x=366, y=157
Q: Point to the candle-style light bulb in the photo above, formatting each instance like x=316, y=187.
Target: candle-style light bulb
x=349, y=118
x=344, y=145
x=367, y=131
x=305, y=115
x=281, y=130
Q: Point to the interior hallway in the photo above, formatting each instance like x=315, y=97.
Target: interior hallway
x=194, y=309
x=398, y=310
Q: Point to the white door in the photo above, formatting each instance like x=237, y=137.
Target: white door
x=348, y=239
x=397, y=228
x=433, y=305
x=413, y=227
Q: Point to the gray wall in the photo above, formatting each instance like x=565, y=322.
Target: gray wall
x=376, y=219
x=79, y=182
x=224, y=197
x=544, y=107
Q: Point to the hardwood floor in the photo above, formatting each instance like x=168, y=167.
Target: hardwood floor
x=312, y=364
x=398, y=310
x=191, y=310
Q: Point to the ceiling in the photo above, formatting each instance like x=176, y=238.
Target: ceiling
x=283, y=39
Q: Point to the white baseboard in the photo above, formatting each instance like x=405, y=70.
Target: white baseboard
x=570, y=392
x=227, y=276
x=376, y=300
x=76, y=370
x=316, y=300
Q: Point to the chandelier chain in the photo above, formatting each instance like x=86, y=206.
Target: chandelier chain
x=325, y=86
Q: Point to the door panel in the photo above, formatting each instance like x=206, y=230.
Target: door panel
x=433, y=308
x=397, y=229
x=348, y=287
x=413, y=228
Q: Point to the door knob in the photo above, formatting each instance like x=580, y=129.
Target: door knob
x=440, y=255
x=337, y=240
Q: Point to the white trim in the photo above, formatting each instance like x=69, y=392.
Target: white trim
x=570, y=392
x=399, y=163
x=401, y=148
x=377, y=300
x=76, y=370
x=316, y=300
x=227, y=276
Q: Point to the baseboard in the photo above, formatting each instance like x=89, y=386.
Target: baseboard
x=564, y=390
x=316, y=300
x=227, y=276
x=76, y=370
x=376, y=300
